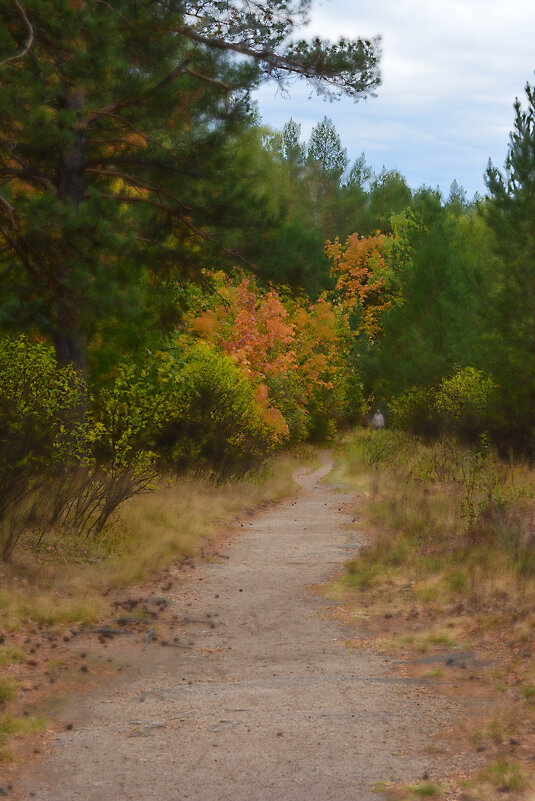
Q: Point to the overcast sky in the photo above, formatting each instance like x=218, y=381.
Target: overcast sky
x=451, y=70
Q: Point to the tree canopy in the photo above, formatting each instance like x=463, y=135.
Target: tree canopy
x=118, y=154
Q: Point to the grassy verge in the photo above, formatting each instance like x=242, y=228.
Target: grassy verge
x=61, y=581
x=449, y=569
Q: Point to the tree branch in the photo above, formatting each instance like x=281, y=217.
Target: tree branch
x=139, y=184
x=205, y=78
x=186, y=222
x=136, y=101
x=124, y=121
x=29, y=40
x=10, y=211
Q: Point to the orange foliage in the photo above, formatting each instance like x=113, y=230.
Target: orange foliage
x=365, y=278
x=251, y=327
x=293, y=351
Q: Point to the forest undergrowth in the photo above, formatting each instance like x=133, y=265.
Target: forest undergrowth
x=446, y=583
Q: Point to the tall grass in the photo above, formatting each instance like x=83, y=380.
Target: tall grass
x=57, y=581
x=459, y=524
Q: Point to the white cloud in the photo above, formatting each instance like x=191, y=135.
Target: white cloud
x=451, y=71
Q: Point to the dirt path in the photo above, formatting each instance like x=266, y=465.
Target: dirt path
x=261, y=700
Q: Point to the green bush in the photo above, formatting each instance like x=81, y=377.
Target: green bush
x=40, y=430
x=190, y=407
x=414, y=410
x=216, y=421
x=461, y=404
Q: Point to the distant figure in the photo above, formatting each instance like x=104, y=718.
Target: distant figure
x=378, y=421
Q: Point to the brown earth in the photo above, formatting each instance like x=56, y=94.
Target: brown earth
x=256, y=696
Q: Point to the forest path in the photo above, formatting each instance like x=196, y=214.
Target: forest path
x=263, y=701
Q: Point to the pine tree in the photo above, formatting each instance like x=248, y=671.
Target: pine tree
x=327, y=162
x=511, y=322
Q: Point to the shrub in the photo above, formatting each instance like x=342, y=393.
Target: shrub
x=461, y=404
x=40, y=430
x=414, y=410
x=463, y=401
x=218, y=420
x=190, y=407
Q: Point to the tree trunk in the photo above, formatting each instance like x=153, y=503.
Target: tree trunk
x=71, y=347
x=71, y=160
x=70, y=337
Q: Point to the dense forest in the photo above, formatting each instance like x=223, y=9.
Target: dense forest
x=184, y=288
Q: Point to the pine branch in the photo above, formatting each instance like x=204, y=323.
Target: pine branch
x=185, y=220
x=138, y=100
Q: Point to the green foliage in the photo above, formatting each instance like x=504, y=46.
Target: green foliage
x=509, y=322
x=461, y=404
x=414, y=410
x=39, y=430
x=216, y=422
x=189, y=407
x=53, y=468
x=464, y=398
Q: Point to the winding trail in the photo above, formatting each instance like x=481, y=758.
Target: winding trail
x=263, y=702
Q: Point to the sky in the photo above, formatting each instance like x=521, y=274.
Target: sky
x=451, y=70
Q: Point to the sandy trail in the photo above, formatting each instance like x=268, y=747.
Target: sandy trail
x=268, y=704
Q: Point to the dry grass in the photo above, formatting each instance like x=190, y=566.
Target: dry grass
x=417, y=506
x=449, y=567
x=63, y=580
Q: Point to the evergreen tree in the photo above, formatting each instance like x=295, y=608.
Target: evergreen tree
x=389, y=194
x=437, y=326
x=351, y=212
x=510, y=337
x=294, y=153
x=327, y=161
x=118, y=145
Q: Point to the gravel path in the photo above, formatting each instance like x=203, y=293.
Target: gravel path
x=263, y=702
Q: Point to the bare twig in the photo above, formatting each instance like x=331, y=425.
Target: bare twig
x=9, y=209
x=206, y=79
x=29, y=40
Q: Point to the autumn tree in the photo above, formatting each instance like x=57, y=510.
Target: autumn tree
x=366, y=282
x=118, y=145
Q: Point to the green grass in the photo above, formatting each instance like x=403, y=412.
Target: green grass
x=9, y=655
x=8, y=688
x=426, y=790
x=506, y=776
x=28, y=725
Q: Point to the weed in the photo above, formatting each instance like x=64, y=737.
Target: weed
x=457, y=581
x=9, y=655
x=6, y=756
x=27, y=725
x=425, y=789
x=506, y=776
x=7, y=689
x=435, y=673
x=460, y=528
